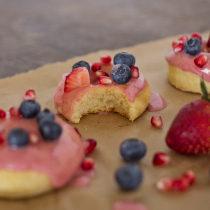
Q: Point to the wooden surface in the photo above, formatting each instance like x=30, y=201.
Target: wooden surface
x=36, y=32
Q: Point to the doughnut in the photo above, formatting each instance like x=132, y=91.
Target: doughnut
x=188, y=61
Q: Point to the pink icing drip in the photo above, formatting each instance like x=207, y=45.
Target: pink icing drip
x=186, y=62
x=60, y=160
x=128, y=205
x=157, y=102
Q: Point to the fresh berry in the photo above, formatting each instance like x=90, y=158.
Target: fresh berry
x=124, y=58
x=161, y=159
x=77, y=78
x=2, y=114
x=45, y=114
x=165, y=184
x=208, y=44
x=96, y=66
x=14, y=111
x=101, y=73
x=132, y=150
x=89, y=146
x=50, y=130
x=121, y=73
x=103, y=80
x=81, y=64
x=135, y=72
x=18, y=137
x=189, y=176
x=192, y=46
x=156, y=121
x=1, y=138
x=174, y=43
x=183, y=38
x=29, y=108
x=30, y=95
x=178, y=48
x=129, y=176
x=180, y=184
x=201, y=60
x=106, y=59
x=196, y=35
x=78, y=132
x=88, y=164
x=33, y=137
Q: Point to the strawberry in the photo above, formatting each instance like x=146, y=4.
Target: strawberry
x=190, y=131
x=77, y=78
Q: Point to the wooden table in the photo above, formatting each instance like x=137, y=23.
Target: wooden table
x=36, y=32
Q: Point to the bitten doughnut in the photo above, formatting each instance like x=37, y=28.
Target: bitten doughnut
x=188, y=61
x=117, y=87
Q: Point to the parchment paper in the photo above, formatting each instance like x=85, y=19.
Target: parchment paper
x=110, y=130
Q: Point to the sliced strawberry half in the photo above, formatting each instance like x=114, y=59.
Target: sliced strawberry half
x=77, y=78
x=201, y=60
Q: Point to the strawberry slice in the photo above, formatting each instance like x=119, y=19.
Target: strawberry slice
x=77, y=78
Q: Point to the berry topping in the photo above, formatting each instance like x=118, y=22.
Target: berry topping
x=18, y=137
x=106, y=59
x=2, y=114
x=156, y=121
x=30, y=95
x=192, y=46
x=29, y=108
x=183, y=38
x=161, y=159
x=78, y=132
x=77, y=78
x=165, y=184
x=81, y=64
x=201, y=60
x=100, y=73
x=14, y=112
x=180, y=184
x=103, y=80
x=129, y=176
x=96, y=66
x=132, y=150
x=174, y=43
x=121, y=74
x=135, y=72
x=33, y=137
x=208, y=44
x=88, y=164
x=124, y=58
x=89, y=146
x=45, y=114
x=50, y=130
x=178, y=48
x=189, y=176
x=196, y=35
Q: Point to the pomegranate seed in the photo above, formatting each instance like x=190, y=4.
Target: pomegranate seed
x=208, y=44
x=103, y=80
x=106, y=59
x=14, y=111
x=29, y=95
x=156, y=121
x=180, y=184
x=101, y=73
x=201, y=60
x=165, y=184
x=1, y=138
x=89, y=146
x=88, y=164
x=78, y=132
x=196, y=35
x=2, y=114
x=96, y=66
x=174, y=43
x=33, y=137
x=189, y=176
x=135, y=72
x=178, y=48
x=183, y=38
x=161, y=159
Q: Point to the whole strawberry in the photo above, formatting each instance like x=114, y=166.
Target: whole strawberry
x=190, y=131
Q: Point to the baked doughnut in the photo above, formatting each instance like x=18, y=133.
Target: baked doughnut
x=188, y=61
x=118, y=87
x=39, y=152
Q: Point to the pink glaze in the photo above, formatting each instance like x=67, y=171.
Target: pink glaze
x=81, y=181
x=128, y=205
x=60, y=159
x=157, y=102
x=186, y=62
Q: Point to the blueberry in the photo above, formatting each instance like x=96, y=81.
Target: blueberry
x=121, y=74
x=129, y=176
x=45, y=114
x=192, y=46
x=132, y=150
x=18, y=137
x=124, y=58
x=29, y=108
x=50, y=130
x=81, y=64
